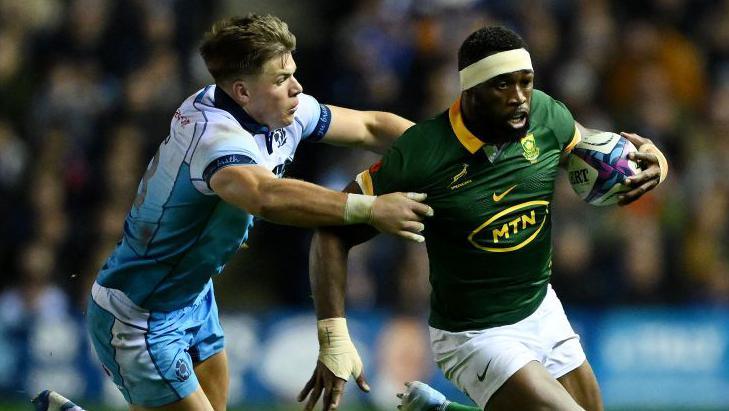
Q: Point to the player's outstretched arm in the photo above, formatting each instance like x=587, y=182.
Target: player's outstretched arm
x=338, y=357
x=295, y=202
x=370, y=130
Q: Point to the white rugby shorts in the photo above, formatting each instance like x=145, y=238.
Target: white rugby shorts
x=479, y=362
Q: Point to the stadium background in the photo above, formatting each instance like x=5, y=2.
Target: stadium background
x=87, y=89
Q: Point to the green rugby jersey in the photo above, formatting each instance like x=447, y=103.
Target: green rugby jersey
x=489, y=243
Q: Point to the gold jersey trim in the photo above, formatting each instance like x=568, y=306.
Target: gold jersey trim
x=467, y=139
x=576, y=138
x=364, y=179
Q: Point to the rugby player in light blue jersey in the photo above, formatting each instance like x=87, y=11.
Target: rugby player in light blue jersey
x=152, y=317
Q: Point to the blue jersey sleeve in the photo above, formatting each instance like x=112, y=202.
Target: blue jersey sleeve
x=314, y=118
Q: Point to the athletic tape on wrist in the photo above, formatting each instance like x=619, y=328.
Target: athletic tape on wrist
x=495, y=65
x=336, y=350
x=662, y=162
x=358, y=208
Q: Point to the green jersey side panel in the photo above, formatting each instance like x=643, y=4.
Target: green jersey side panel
x=489, y=243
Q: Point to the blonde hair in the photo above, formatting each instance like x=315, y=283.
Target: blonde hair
x=240, y=46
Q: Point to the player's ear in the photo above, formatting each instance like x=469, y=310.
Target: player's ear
x=241, y=92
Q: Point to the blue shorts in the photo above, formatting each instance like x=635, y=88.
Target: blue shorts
x=150, y=355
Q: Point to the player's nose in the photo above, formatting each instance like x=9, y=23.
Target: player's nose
x=296, y=88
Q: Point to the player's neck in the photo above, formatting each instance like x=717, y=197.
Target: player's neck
x=224, y=101
x=486, y=132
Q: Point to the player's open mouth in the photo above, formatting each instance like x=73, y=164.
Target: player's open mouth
x=292, y=110
x=518, y=120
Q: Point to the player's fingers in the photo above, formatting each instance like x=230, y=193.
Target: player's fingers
x=335, y=395
x=423, y=209
x=413, y=226
x=362, y=383
x=307, y=388
x=410, y=236
x=643, y=157
x=313, y=397
x=634, y=138
x=642, y=177
x=416, y=196
x=635, y=194
x=646, y=161
x=326, y=400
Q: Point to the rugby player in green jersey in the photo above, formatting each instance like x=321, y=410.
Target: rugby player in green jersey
x=488, y=166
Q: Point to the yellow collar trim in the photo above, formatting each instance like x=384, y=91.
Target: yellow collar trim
x=467, y=139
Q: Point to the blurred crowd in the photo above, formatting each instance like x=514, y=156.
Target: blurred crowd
x=88, y=88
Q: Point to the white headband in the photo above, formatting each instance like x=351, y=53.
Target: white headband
x=495, y=65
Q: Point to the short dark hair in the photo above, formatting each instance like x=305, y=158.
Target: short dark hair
x=487, y=41
x=241, y=45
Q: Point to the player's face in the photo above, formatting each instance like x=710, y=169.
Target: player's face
x=500, y=106
x=273, y=93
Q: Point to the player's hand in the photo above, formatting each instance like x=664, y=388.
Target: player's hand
x=648, y=178
x=419, y=396
x=332, y=386
x=401, y=214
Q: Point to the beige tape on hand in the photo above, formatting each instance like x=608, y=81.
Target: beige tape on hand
x=336, y=350
x=495, y=65
x=662, y=162
x=358, y=208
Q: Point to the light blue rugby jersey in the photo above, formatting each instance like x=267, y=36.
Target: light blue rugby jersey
x=178, y=233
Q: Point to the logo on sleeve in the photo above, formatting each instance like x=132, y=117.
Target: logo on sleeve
x=183, y=119
x=375, y=167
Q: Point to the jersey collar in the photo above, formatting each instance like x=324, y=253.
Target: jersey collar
x=467, y=139
x=224, y=102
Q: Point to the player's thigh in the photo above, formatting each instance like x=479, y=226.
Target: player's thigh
x=208, y=353
x=531, y=388
x=147, y=359
x=582, y=386
x=197, y=401
x=212, y=374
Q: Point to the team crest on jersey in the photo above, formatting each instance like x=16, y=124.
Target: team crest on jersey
x=457, y=183
x=531, y=151
x=277, y=137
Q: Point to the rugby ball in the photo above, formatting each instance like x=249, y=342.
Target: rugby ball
x=598, y=165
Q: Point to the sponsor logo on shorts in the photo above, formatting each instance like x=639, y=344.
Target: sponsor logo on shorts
x=483, y=375
x=182, y=370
